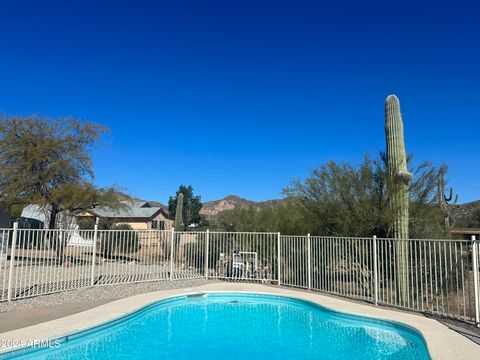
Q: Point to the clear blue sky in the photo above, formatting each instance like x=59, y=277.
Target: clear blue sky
x=239, y=97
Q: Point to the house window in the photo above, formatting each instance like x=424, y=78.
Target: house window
x=158, y=224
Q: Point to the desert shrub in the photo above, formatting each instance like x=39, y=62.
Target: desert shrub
x=118, y=242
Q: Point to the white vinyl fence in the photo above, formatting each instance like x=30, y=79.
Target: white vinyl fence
x=439, y=277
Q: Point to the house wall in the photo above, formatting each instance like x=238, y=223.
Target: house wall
x=136, y=225
x=168, y=222
x=143, y=224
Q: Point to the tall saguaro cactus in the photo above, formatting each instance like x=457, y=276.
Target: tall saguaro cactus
x=445, y=201
x=398, y=184
x=179, y=212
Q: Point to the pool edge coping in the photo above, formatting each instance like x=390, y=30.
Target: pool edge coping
x=138, y=311
x=147, y=300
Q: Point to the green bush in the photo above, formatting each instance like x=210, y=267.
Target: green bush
x=118, y=242
x=88, y=223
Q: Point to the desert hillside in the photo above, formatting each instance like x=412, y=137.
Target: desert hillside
x=462, y=210
x=216, y=207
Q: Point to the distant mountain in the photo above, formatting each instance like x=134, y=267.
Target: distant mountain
x=213, y=208
x=216, y=207
x=125, y=197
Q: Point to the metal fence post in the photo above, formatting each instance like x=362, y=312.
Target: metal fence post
x=309, y=262
x=278, y=259
x=94, y=252
x=172, y=240
x=475, y=279
x=12, y=260
x=375, y=270
x=207, y=238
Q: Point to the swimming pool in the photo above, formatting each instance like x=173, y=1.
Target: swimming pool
x=237, y=326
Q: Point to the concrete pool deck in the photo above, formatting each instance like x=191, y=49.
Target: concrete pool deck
x=442, y=342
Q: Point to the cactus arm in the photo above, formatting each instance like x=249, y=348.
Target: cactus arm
x=405, y=176
x=450, y=197
x=447, y=199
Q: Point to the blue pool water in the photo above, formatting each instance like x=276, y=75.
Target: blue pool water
x=238, y=326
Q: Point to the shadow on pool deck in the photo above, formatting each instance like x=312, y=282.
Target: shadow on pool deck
x=18, y=319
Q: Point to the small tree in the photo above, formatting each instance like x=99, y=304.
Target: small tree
x=191, y=207
x=48, y=163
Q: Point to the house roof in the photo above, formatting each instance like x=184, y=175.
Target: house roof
x=42, y=214
x=130, y=209
x=35, y=212
x=154, y=204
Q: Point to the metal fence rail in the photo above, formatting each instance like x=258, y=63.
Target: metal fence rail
x=440, y=277
x=5, y=235
x=126, y=256
x=33, y=258
x=294, y=269
x=188, y=261
x=343, y=266
x=243, y=256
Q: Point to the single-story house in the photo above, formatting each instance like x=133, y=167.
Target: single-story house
x=140, y=215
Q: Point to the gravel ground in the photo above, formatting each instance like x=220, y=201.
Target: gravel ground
x=100, y=292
